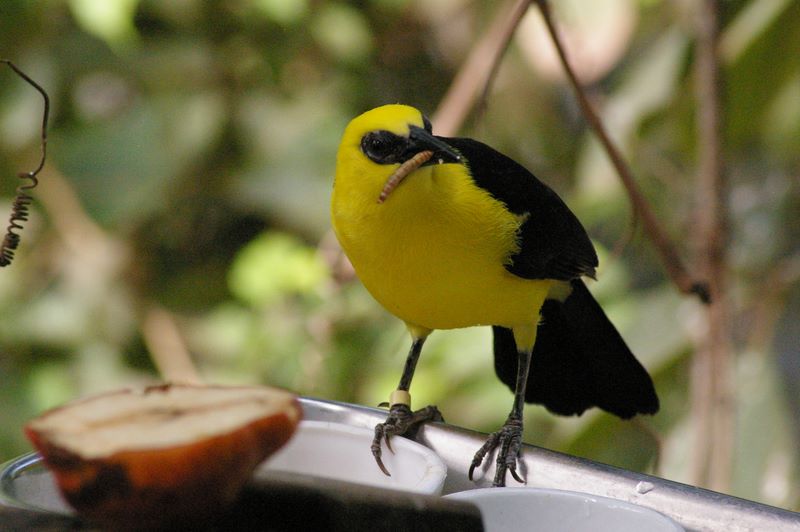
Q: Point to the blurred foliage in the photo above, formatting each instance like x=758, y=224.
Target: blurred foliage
x=192, y=150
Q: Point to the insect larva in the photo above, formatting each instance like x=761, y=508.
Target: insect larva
x=402, y=171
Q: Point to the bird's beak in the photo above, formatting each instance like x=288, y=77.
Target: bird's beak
x=421, y=140
x=423, y=149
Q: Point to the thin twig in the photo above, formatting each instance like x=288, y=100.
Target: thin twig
x=712, y=385
x=508, y=30
x=775, y=286
x=475, y=77
x=167, y=347
x=669, y=253
x=88, y=251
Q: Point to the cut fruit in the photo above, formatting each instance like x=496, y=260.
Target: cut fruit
x=163, y=455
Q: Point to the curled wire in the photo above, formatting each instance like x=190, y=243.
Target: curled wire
x=20, y=209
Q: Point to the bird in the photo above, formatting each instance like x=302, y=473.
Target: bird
x=448, y=233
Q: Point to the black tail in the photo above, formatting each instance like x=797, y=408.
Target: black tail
x=579, y=361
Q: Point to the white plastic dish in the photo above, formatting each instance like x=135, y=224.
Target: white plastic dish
x=539, y=510
x=342, y=452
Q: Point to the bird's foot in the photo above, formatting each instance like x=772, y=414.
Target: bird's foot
x=508, y=442
x=401, y=421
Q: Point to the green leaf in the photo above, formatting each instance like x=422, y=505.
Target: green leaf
x=343, y=32
x=284, y=12
x=275, y=265
x=110, y=20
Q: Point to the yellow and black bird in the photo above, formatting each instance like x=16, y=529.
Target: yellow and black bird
x=448, y=233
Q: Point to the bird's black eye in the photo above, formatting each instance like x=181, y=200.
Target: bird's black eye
x=383, y=147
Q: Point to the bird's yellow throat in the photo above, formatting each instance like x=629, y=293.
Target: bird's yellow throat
x=434, y=253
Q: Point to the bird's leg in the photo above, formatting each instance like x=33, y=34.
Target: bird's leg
x=401, y=419
x=508, y=440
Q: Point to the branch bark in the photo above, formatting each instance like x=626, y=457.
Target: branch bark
x=167, y=347
x=713, y=405
x=670, y=257
x=479, y=70
x=93, y=258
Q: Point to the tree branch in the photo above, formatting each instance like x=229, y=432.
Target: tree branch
x=167, y=347
x=712, y=384
x=671, y=259
x=475, y=77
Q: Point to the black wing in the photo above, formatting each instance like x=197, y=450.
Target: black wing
x=553, y=243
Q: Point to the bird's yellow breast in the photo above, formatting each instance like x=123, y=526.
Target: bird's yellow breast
x=434, y=253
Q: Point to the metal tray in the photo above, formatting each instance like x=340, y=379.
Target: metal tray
x=25, y=483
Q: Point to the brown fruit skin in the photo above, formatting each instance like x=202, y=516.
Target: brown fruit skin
x=162, y=488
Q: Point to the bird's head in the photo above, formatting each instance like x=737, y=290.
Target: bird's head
x=376, y=144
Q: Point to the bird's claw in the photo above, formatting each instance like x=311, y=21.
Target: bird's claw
x=376, y=447
x=401, y=421
x=508, y=441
